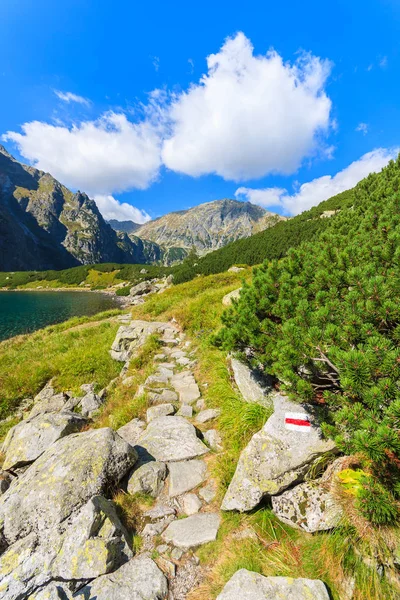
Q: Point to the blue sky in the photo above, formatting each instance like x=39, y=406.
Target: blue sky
x=296, y=102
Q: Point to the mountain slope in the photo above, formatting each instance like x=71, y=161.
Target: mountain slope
x=208, y=226
x=43, y=225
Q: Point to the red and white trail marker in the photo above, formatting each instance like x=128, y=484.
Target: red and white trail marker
x=297, y=422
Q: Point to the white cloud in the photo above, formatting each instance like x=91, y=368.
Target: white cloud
x=156, y=63
x=249, y=115
x=383, y=62
x=102, y=157
x=70, y=97
x=312, y=193
x=111, y=208
x=363, y=128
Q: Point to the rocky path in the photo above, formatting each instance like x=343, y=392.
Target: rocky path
x=172, y=465
x=60, y=533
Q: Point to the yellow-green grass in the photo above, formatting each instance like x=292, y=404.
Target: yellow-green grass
x=70, y=353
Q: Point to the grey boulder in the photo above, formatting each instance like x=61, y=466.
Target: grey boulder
x=169, y=439
x=47, y=400
x=62, y=480
x=229, y=298
x=139, y=579
x=276, y=457
x=248, y=585
x=148, y=479
x=95, y=542
x=27, y=440
x=193, y=531
x=253, y=387
x=308, y=506
x=131, y=337
x=90, y=404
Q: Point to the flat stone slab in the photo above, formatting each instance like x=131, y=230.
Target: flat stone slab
x=185, y=475
x=276, y=457
x=191, y=504
x=169, y=439
x=247, y=585
x=27, y=440
x=193, y=531
x=160, y=410
x=138, y=579
x=208, y=415
x=162, y=397
x=185, y=384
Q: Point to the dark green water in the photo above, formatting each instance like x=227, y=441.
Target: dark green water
x=22, y=312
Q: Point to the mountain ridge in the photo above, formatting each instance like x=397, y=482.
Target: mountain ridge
x=44, y=225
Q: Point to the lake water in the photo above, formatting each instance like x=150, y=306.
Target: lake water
x=22, y=312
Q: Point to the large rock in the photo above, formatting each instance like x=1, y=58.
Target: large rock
x=252, y=385
x=228, y=298
x=248, y=585
x=148, y=479
x=47, y=400
x=308, y=506
x=62, y=480
x=95, y=542
x=139, y=579
x=131, y=337
x=185, y=476
x=169, y=439
x=143, y=288
x=91, y=403
x=276, y=457
x=26, y=441
x=193, y=531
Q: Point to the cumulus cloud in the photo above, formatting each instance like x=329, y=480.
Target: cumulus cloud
x=249, y=115
x=70, y=97
x=312, y=193
x=101, y=157
x=111, y=208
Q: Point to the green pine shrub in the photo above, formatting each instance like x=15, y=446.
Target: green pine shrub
x=325, y=321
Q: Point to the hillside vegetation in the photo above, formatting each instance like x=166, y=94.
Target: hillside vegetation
x=272, y=243
x=325, y=320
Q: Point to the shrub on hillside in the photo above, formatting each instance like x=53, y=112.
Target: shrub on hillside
x=124, y=291
x=325, y=320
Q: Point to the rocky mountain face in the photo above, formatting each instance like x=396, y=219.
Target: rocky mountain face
x=43, y=225
x=208, y=226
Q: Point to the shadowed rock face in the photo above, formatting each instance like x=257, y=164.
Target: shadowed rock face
x=43, y=225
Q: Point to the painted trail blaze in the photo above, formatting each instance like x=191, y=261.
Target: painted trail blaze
x=297, y=422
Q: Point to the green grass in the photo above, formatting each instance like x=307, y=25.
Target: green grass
x=72, y=353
